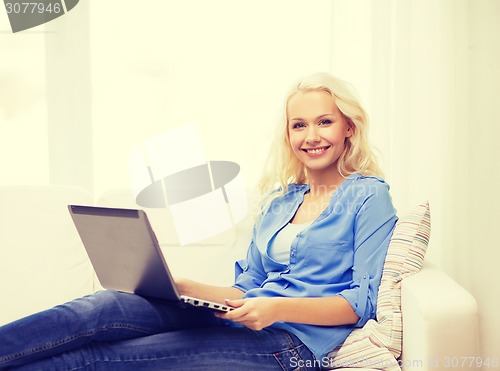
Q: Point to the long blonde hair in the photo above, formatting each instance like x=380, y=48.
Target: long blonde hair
x=283, y=167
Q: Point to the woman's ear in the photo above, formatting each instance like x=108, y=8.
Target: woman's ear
x=349, y=131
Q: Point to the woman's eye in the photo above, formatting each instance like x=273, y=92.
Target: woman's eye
x=298, y=125
x=325, y=122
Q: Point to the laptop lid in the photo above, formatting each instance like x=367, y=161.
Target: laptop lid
x=124, y=251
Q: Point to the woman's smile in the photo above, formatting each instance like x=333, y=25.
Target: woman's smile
x=316, y=151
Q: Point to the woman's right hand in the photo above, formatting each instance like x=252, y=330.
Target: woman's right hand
x=203, y=291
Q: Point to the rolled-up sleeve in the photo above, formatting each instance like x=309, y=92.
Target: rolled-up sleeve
x=373, y=227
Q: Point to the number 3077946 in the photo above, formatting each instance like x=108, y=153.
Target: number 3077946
x=33, y=8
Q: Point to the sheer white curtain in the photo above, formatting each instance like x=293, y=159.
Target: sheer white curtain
x=429, y=72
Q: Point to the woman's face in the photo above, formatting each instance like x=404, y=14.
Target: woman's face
x=317, y=130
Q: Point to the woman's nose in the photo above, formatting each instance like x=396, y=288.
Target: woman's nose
x=312, y=134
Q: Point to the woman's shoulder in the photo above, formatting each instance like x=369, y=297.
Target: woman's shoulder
x=362, y=187
x=368, y=181
x=279, y=196
x=291, y=189
x=296, y=187
x=291, y=192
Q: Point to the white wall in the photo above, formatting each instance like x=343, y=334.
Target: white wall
x=223, y=65
x=23, y=115
x=475, y=252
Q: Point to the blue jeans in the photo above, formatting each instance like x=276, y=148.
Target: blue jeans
x=116, y=331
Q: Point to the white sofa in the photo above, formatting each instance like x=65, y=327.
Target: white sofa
x=42, y=263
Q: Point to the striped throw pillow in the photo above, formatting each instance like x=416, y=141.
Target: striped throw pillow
x=378, y=344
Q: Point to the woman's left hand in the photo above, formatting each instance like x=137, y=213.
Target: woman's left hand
x=254, y=313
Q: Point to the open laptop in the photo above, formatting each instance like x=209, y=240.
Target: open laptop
x=126, y=255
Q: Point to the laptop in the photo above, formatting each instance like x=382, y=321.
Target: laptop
x=126, y=256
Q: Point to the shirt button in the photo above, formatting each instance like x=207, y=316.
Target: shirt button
x=364, y=277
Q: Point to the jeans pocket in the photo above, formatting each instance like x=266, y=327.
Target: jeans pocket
x=298, y=358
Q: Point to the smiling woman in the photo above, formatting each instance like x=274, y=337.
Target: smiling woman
x=311, y=274
x=323, y=125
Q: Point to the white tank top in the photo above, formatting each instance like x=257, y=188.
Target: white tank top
x=279, y=249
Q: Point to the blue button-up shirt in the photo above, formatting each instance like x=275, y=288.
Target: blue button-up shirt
x=341, y=253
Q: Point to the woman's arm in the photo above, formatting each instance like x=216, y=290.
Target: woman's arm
x=207, y=292
x=247, y=278
x=257, y=313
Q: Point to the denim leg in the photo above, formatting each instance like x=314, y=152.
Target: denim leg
x=209, y=349
x=104, y=316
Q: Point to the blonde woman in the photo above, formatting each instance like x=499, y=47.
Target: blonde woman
x=310, y=277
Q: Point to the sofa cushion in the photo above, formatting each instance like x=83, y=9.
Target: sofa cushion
x=378, y=344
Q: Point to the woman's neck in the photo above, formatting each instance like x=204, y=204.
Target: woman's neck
x=322, y=183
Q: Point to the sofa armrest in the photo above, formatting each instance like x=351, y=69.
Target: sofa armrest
x=440, y=322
